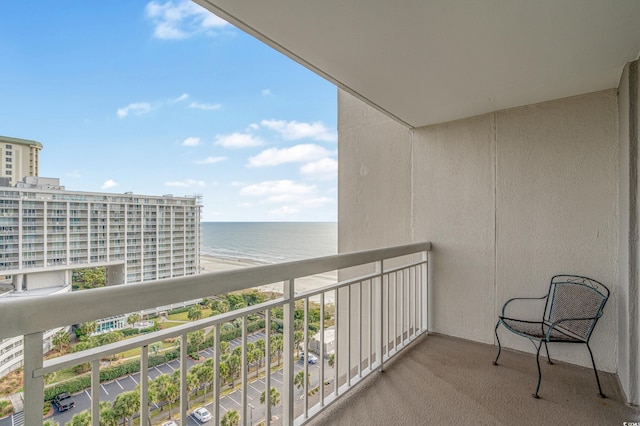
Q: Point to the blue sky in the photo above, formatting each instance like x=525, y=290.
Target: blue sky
x=165, y=98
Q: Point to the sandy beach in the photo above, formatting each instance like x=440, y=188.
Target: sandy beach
x=215, y=264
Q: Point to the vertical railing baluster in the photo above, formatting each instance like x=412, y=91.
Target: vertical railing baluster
x=371, y=327
x=336, y=351
x=322, y=352
x=33, y=386
x=216, y=374
x=349, y=345
x=95, y=392
x=267, y=378
x=184, y=396
x=360, y=331
x=306, y=358
x=288, y=313
x=381, y=302
x=144, y=386
x=245, y=371
x=424, y=286
x=402, y=307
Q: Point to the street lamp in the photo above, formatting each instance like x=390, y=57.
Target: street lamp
x=251, y=415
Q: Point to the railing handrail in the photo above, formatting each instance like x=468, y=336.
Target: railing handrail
x=34, y=314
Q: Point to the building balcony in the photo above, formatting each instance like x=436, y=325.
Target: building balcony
x=389, y=288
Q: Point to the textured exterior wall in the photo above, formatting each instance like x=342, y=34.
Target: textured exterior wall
x=508, y=199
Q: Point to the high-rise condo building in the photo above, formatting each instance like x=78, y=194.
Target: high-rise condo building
x=18, y=158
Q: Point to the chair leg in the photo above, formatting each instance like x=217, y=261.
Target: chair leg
x=535, y=395
x=498, y=339
x=602, y=395
x=547, y=349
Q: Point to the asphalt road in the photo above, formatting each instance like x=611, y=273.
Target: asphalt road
x=110, y=390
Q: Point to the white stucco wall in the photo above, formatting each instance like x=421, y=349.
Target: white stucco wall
x=508, y=199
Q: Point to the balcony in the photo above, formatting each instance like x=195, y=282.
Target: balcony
x=385, y=310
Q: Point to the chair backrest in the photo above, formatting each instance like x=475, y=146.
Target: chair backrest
x=572, y=296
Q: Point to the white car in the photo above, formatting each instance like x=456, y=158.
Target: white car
x=312, y=358
x=202, y=414
x=170, y=423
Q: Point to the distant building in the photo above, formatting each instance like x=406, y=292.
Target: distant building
x=18, y=158
x=46, y=232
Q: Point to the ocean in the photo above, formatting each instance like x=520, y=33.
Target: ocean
x=269, y=242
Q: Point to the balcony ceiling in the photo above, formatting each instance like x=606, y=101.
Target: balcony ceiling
x=425, y=62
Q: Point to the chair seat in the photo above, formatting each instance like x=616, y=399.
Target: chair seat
x=538, y=330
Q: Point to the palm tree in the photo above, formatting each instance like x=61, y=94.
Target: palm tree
x=230, y=418
x=298, y=337
x=195, y=313
x=192, y=383
x=258, y=355
x=233, y=362
x=205, y=376
x=298, y=380
x=126, y=405
x=224, y=370
x=108, y=416
x=225, y=348
x=165, y=391
x=81, y=419
x=277, y=346
x=60, y=340
x=196, y=339
x=88, y=328
x=133, y=318
x=274, y=397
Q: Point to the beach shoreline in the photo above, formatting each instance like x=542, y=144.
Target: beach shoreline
x=210, y=263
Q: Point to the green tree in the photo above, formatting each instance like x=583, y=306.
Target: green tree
x=50, y=423
x=298, y=380
x=274, y=397
x=205, y=376
x=332, y=360
x=224, y=370
x=277, y=346
x=225, y=348
x=233, y=362
x=195, y=313
x=108, y=416
x=81, y=419
x=258, y=356
x=61, y=340
x=192, y=383
x=133, y=318
x=219, y=307
x=86, y=329
x=155, y=347
x=165, y=391
x=126, y=405
x=230, y=418
x=236, y=301
x=196, y=339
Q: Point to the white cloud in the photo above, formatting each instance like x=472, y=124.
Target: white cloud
x=211, y=160
x=266, y=92
x=137, y=108
x=238, y=140
x=293, y=130
x=317, y=202
x=191, y=141
x=182, y=19
x=323, y=169
x=108, y=184
x=182, y=97
x=284, y=211
x=294, y=154
x=276, y=187
x=206, y=107
x=189, y=183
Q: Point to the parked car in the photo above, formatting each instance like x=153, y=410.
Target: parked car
x=170, y=423
x=63, y=402
x=202, y=414
x=312, y=358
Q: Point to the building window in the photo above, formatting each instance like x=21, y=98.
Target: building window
x=8, y=160
x=9, y=153
x=9, y=166
x=8, y=146
x=8, y=172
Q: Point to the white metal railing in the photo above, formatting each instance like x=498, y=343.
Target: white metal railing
x=376, y=312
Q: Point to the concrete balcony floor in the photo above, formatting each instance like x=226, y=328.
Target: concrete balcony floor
x=440, y=380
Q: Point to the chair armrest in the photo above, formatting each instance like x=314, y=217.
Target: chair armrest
x=504, y=307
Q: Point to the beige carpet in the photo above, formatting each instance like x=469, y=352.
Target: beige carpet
x=441, y=380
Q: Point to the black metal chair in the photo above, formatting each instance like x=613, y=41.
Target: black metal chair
x=572, y=308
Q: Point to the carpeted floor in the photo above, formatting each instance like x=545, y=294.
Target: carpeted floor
x=441, y=380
